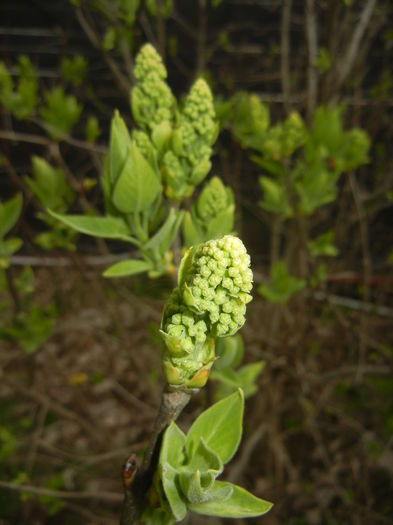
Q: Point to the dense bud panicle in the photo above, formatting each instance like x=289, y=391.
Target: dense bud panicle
x=192, y=141
x=148, y=61
x=213, y=200
x=215, y=281
x=151, y=99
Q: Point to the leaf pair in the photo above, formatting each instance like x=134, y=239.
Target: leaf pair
x=189, y=465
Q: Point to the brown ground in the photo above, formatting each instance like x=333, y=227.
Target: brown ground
x=317, y=437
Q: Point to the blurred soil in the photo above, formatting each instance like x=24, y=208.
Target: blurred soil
x=317, y=435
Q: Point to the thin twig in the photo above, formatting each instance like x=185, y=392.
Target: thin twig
x=61, y=262
x=43, y=141
x=285, y=45
x=366, y=259
x=346, y=65
x=160, y=29
x=110, y=497
x=172, y=403
x=202, y=35
x=312, y=44
x=122, y=82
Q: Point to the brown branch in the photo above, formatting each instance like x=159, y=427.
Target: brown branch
x=54, y=406
x=172, y=403
x=346, y=65
x=285, y=44
x=202, y=35
x=44, y=141
x=160, y=29
x=364, y=241
x=110, y=497
x=60, y=262
x=122, y=82
x=312, y=44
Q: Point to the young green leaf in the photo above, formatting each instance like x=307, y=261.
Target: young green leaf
x=107, y=227
x=119, y=147
x=240, y=504
x=220, y=426
x=192, y=232
x=176, y=502
x=137, y=186
x=204, y=459
x=323, y=245
x=7, y=248
x=9, y=214
x=127, y=267
x=282, y=286
x=164, y=237
x=172, y=448
x=60, y=113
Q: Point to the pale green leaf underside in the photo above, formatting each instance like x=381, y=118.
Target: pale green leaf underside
x=172, y=446
x=241, y=504
x=178, y=506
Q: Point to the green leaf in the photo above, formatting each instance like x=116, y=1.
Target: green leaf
x=172, y=448
x=9, y=214
x=60, y=113
x=164, y=237
x=191, y=231
x=282, y=286
x=137, y=186
x=230, y=351
x=247, y=375
x=127, y=267
x=220, y=426
x=92, y=129
x=74, y=69
x=222, y=224
x=107, y=227
x=275, y=199
x=323, y=245
x=161, y=135
x=240, y=504
x=9, y=246
x=168, y=476
x=119, y=147
x=204, y=459
x=49, y=185
x=22, y=100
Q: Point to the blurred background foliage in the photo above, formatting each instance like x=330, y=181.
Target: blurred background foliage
x=299, y=167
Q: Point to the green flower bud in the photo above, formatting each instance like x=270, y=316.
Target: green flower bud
x=219, y=283
x=151, y=99
x=214, y=284
x=192, y=141
x=148, y=61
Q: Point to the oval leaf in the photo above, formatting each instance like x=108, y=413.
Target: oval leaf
x=137, y=186
x=107, y=227
x=127, y=267
x=240, y=504
x=9, y=214
x=220, y=426
x=172, y=446
x=119, y=146
x=176, y=503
